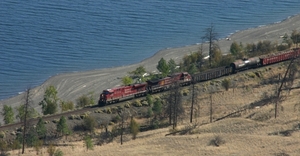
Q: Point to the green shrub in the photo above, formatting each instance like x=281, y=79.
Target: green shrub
x=251, y=74
x=114, y=109
x=185, y=92
x=116, y=119
x=90, y=123
x=137, y=103
x=145, y=103
x=2, y=134
x=85, y=100
x=127, y=105
x=88, y=143
x=108, y=110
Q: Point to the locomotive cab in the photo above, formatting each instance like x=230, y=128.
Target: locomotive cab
x=104, y=96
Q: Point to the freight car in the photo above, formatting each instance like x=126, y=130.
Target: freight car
x=279, y=57
x=127, y=92
x=212, y=74
x=244, y=64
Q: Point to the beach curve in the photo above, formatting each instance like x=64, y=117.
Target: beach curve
x=70, y=86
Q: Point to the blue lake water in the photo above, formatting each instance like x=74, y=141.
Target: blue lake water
x=39, y=39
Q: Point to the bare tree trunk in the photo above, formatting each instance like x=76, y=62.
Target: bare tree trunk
x=193, y=98
x=279, y=89
x=25, y=120
x=211, y=109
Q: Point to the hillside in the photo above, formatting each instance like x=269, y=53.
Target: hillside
x=253, y=131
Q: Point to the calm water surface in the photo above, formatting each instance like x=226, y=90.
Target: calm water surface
x=39, y=39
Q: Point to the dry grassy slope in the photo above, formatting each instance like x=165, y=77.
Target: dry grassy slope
x=254, y=132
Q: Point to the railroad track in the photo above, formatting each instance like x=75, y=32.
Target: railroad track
x=33, y=121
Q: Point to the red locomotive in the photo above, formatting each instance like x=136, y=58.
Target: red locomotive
x=159, y=85
x=122, y=93
x=183, y=78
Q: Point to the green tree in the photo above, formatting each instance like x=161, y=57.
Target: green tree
x=88, y=143
x=49, y=103
x=8, y=114
x=236, y=50
x=172, y=65
x=32, y=113
x=163, y=67
x=157, y=107
x=41, y=129
x=192, y=69
x=138, y=72
x=32, y=137
x=127, y=80
x=89, y=123
x=295, y=36
x=216, y=56
x=226, y=60
x=62, y=127
x=149, y=99
x=134, y=128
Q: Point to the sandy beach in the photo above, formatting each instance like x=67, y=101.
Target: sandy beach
x=70, y=86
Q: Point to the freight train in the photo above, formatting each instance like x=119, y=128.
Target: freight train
x=122, y=93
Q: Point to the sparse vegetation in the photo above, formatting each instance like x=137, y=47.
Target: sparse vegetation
x=89, y=123
x=65, y=106
x=226, y=83
x=217, y=141
x=134, y=128
x=137, y=103
x=88, y=143
x=83, y=101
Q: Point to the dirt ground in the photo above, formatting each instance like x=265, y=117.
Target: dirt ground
x=250, y=132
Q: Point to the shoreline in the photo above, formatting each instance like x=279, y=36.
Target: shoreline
x=74, y=84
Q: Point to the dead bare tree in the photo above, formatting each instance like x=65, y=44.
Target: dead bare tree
x=27, y=101
x=174, y=106
x=194, y=100
x=210, y=108
x=211, y=37
x=124, y=114
x=287, y=79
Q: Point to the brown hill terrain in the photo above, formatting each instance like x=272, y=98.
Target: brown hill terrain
x=253, y=131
